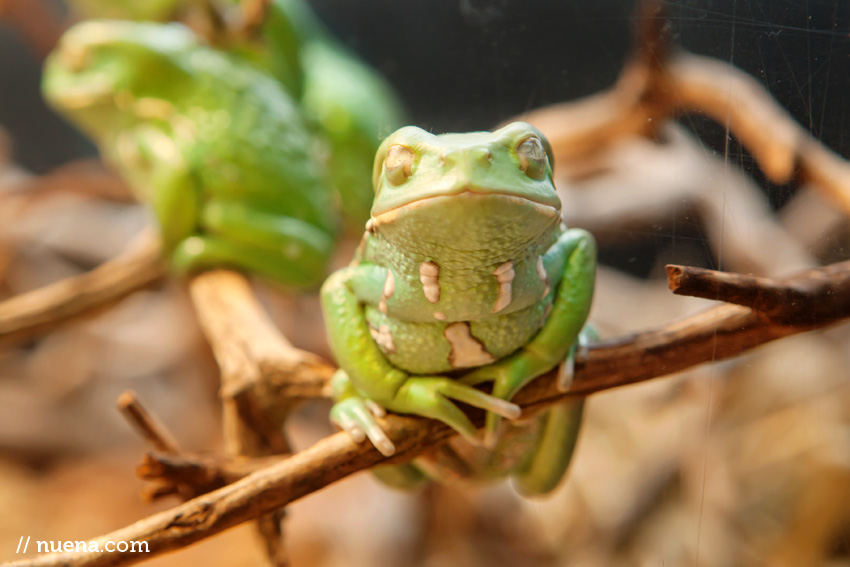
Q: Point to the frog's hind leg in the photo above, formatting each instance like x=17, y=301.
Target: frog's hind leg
x=549, y=458
x=284, y=249
x=547, y=461
x=404, y=477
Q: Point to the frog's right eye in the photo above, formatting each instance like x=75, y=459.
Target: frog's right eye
x=532, y=157
x=399, y=164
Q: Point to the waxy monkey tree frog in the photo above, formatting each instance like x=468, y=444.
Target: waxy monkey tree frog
x=342, y=98
x=216, y=147
x=465, y=275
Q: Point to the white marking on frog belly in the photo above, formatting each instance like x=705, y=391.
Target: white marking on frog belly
x=466, y=350
x=541, y=273
x=384, y=339
x=505, y=276
x=429, y=275
x=440, y=316
x=389, y=290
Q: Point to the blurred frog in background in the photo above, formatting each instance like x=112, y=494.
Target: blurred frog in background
x=143, y=10
x=465, y=276
x=216, y=147
x=348, y=102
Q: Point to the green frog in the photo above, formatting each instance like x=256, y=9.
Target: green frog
x=349, y=103
x=465, y=275
x=217, y=148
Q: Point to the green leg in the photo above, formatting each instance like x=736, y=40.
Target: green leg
x=548, y=461
x=554, y=342
x=404, y=477
x=152, y=163
x=199, y=253
x=286, y=250
x=550, y=458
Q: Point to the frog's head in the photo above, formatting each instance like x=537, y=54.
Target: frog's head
x=101, y=66
x=465, y=190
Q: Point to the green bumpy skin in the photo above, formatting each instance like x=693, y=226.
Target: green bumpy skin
x=465, y=275
x=216, y=148
x=350, y=104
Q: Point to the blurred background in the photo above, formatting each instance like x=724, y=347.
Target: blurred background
x=745, y=462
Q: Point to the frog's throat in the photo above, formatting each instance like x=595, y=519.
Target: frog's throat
x=391, y=215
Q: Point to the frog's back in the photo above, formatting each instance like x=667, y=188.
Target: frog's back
x=251, y=143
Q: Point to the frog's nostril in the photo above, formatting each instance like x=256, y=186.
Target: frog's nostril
x=482, y=156
x=448, y=158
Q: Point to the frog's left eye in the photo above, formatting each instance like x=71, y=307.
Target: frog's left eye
x=399, y=164
x=532, y=157
x=75, y=58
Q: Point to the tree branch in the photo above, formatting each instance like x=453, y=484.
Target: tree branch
x=794, y=301
x=713, y=335
x=661, y=82
x=31, y=314
x=246, y=343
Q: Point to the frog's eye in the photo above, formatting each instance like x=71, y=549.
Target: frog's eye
x=532, y=157
x=75, y=58
x=399, y=164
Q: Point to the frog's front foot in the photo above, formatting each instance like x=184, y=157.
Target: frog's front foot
x=434, y=397
x=356, y=416
x=505, y=384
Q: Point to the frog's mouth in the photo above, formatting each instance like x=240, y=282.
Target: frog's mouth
x=466, y=224
x=508, y=201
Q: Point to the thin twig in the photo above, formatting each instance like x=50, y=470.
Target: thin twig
x=201, y=472
x=148, y=426
x=713, y=335
x=37, y=312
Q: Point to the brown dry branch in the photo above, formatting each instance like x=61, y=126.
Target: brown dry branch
x=713, y=335
x=661, y=83
x=261, y=372
x=205, y=472
x=31, y=314
x=172, y=474
x=151, y=429
x=246, y=343
x=794, y=301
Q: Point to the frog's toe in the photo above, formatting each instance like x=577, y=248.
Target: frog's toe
x=566, y=373
x=355, y=417
x=492, y=427
x=375, y=409
x=479, y=399
x=566, y=370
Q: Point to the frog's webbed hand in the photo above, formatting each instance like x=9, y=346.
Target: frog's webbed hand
x=574, y=254
x=356, y=415
x=373, y=378
x=285, y=249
